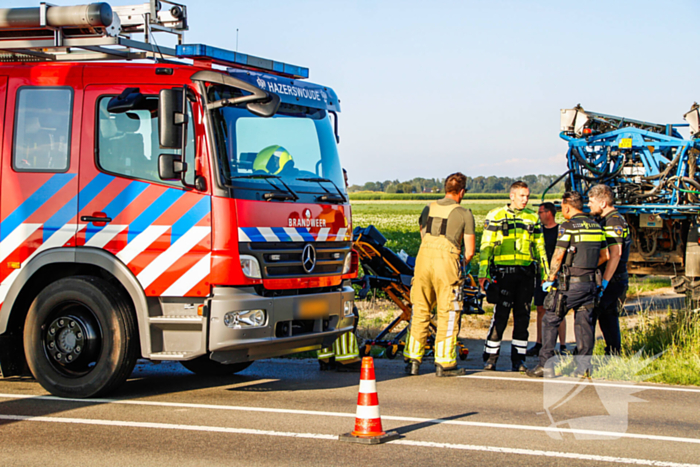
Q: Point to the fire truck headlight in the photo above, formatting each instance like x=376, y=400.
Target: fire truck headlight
x=245, y=318
x=348, y=263
x=251, y=267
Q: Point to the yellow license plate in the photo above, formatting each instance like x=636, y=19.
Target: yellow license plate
x=625, y=143
x=313, y=309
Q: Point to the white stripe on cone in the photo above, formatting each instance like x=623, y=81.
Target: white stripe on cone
x=368, y=386
x=367, y=412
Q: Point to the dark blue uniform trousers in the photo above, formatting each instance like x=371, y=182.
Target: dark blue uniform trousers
x=580, y=297
x=607, y=314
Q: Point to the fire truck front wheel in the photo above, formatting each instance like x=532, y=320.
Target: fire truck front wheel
x=80, y=337
x=207, y=367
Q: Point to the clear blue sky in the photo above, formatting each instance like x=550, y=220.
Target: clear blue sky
x=429, y=88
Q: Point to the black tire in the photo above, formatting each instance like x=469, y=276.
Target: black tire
x=205, y=366
x=390, y=352
x=80, y=337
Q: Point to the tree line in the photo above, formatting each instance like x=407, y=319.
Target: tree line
x=492, y=184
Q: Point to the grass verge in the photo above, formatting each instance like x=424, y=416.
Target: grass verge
x=660, y=348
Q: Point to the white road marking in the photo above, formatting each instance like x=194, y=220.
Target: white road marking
x=532, y=452
x=436, y=421
x=585, y=383
x=286, y=434
x=165, y=426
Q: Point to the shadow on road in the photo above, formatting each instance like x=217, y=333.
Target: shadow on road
x=417, y=426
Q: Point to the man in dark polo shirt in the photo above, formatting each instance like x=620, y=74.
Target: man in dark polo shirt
x=550, y=228
x=446, y=228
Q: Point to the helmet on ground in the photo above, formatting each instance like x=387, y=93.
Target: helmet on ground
x=272, y=159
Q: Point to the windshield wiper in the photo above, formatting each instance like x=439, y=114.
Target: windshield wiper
x=330, y=196
x=286, y=194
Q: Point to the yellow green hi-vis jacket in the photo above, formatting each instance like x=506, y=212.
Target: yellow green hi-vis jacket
x=512, y=238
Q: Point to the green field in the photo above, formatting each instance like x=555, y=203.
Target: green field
x=398, y=221
x=380, y=196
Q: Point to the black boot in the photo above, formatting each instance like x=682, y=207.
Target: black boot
x=327, y=366
x=413, y=368
x=540, y=372
x=519, y=367
x=534, y=351
x=441, y=372
x=490, y=364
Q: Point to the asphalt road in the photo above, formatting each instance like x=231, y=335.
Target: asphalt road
x=286, y=412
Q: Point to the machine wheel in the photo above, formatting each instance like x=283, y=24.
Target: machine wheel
x=463, y=355
x=391, y=352
x=205, y=366
x=80, y=337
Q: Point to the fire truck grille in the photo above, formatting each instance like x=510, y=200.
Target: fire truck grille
x=281, y=260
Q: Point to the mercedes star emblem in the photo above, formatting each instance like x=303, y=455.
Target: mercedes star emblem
x=308, y=258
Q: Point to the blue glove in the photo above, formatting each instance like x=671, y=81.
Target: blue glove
x=547, y=285
x=601, y=289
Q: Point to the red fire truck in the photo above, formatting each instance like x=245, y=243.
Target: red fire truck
x=170, y=203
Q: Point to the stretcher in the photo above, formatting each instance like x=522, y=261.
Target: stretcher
x=384, y=270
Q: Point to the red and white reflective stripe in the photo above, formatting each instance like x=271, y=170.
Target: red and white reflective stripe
x=106, y=235
x=58, y=239
x=341, y=234
x=323, y=234
x=142, y=241
x=16, y=238
x=191, y=278
x=176, y=251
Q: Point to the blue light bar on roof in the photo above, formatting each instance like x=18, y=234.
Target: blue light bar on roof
x=234, y=59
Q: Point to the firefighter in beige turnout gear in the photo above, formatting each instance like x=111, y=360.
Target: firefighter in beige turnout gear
x=437, y=279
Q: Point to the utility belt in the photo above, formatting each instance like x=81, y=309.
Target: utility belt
x=503, y=270
x=585, y=278
x=493, y=289
x=565, y=278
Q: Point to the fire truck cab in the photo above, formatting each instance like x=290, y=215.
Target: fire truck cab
x=182, y=203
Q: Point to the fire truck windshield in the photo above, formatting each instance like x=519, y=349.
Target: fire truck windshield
x=297, y=146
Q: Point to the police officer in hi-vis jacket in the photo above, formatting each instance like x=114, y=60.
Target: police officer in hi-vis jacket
x=512, y=253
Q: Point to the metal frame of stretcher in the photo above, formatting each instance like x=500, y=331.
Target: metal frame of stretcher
x=396, y=283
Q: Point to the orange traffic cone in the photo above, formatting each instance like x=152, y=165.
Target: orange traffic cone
x=368, y=422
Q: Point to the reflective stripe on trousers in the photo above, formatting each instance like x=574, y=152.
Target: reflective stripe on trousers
x=436, y=283
x=344, y=348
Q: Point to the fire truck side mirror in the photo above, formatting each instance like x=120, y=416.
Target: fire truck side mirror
x=171, y=167
x=171, y=118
